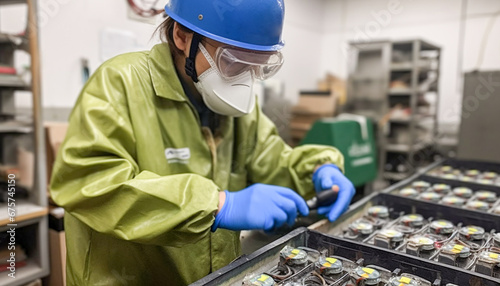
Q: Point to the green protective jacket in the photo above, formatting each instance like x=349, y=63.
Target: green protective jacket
x=139, y=177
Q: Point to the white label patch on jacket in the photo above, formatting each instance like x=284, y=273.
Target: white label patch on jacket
x=180, y=155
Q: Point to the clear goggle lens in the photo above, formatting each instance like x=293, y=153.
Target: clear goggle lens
x=232, y=62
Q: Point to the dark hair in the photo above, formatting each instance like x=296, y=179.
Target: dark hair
x=166, y=30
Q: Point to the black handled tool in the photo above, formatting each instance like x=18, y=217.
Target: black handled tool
x=324, y=198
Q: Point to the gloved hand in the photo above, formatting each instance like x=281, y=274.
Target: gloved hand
x=260, y=206
x=326, y=177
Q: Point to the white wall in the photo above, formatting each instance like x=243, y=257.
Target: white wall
x=435, y=21
x=69, y=31
x=303, y=36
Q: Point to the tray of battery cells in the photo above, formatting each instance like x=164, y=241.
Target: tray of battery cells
x=475, y=172
x=460, y=238
x=453, y=193
x=306, y=257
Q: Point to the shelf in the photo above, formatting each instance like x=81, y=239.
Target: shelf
x=426, y=46
x=30, y=215
x=400, y=92
x=24, y=274
x=16, y=81
x=400, y=120
x=407, y=45
x=15, y=127
x=408, y=120
x=11, y=2
x=408, y=66
x=406, y=91
x=406, y=148
x=24, y=211
x=13, y=39
x=366, y=78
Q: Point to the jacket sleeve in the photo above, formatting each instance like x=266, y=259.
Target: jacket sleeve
x=96, y=177
x=274, y=162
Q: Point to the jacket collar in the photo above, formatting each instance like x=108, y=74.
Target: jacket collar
x=166, y=83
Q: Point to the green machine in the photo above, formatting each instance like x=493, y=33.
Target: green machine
x=353, y=136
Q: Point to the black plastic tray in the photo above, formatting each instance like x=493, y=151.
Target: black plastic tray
x=467, y=164
x=463, y=165
x=453, y=184
x=264, y=258
x=410, y=206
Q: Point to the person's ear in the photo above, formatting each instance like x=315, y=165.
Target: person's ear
x=182, y=39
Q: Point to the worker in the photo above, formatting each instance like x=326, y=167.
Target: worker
x=168, y=155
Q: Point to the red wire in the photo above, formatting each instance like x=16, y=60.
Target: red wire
x=359, y=280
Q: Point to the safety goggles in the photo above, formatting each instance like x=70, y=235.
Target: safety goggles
x=232, y=61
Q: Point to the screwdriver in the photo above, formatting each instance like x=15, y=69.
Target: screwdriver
x=324, y=198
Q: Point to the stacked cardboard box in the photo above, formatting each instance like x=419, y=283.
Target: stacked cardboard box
x=314, y=105
x=54, y=136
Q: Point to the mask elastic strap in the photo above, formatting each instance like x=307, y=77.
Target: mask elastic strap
x=207, y=56
x=190, y=61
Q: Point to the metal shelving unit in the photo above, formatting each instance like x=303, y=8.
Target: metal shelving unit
x=24, y=131
x=387, y=78
x=414, y=69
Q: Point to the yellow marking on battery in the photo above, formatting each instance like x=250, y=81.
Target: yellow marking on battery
x=263, y=278
x=472, y=230
x=295, y=251
x=405, y=280
x=365, y=275
x=331, y=260
x=457, y=248
x=443, y=223
x=368, y=270
x=494, y=255
x=413, y=216
x=327, y=264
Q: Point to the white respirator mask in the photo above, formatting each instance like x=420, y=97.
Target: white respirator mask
x=230, y=97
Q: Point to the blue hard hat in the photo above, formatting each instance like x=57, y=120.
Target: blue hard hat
x=249, y=24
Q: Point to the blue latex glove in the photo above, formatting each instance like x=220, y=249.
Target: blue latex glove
x=324, y=178
x=260, y=207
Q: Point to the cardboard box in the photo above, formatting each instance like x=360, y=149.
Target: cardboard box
x=26, y=165
x=316, y=102
x=55, y=132
x=57, y=275
x=54, y=136
x=57, y=248
x=312, y=105
x=335, y=85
